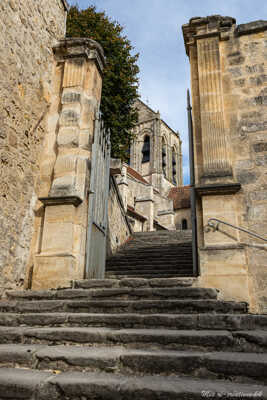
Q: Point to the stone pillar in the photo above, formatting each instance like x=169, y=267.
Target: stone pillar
x=166, y=218
x=216, y=160
x=65, y=167
x=123, y=186
x=145, y=206
x=222, y=259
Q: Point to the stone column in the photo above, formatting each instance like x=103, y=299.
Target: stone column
x=145, y=206
x=65, y=167
x=123, y=186
x=222, y=260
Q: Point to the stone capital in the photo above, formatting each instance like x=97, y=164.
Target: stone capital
x=71, y=48
x=199, y=28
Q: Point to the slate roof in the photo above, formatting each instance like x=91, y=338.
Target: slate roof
x=131, y=211
x=136, y=175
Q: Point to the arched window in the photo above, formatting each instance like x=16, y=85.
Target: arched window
x=146, y=149
x=184, y=224
x=174, y=166
x=128, y=155
x=164, y=157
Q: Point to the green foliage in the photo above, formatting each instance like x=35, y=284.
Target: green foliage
x=120, y=81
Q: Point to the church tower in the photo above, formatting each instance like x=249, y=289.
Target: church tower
x=156, y=152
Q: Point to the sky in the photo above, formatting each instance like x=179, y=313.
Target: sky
x=154, y=29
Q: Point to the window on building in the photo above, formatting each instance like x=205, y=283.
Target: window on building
x=164, y=157
x=146, y=149
x=174, y=166
x=127, y=155
x=184, y=224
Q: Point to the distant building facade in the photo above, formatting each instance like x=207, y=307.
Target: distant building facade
x=153, y=170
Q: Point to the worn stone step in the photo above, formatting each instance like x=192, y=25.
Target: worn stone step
x=94, y=335
x=113, y=293
x=150, y=250
x=144, y=272
x=149, y=262
x=153, y=257
x=125, y=306
x=134, y=282
x=233, y=365
x=149, y=267
x=112, y=275
x=73, y=385
x=202, y=340
x=205, y=321
x=145, y=243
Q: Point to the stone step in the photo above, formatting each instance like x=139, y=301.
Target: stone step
x=203, y=340
x=73, y=385
x=138, y=255
x=113, y=275
x=124, y=306
x=153, y=244
x=150, y=262
x=211, y=365
x=115, y=293
x=134, y=282
x=152, y=248
x=154, y=273
x=205, y=321
x=152, y=266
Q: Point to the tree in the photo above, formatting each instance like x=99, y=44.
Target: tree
x=120, y=80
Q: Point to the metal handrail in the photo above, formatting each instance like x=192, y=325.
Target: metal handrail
x=233, y=226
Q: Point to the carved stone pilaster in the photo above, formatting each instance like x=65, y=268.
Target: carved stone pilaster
x=202, y=40
x=216, y=161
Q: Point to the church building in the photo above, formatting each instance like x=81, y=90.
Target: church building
x=153, y=171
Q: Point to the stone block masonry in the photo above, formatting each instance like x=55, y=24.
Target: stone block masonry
x=228, y=84
x=28, y=30
x=60, y=229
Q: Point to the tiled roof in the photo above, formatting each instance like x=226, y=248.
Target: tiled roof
x=180, y=196
x=132, y=211
x=136, y=175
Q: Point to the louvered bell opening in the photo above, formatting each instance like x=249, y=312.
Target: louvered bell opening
x=164, y=152
x=146, y=150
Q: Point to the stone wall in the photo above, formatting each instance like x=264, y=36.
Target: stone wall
x=119, y=230
x=28, y=29
x=179, y=215
x=229, y=99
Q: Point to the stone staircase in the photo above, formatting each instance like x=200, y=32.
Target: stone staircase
x=159, y=254
x=132, y=338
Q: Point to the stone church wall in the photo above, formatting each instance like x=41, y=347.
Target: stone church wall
x=28, y=29
x=180, y=215
x=119, y=230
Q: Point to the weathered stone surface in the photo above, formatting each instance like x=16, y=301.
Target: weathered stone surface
x=135, y=361
x=27, y=33
x=130, y=306
x=76, y=385
x=240, y=69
